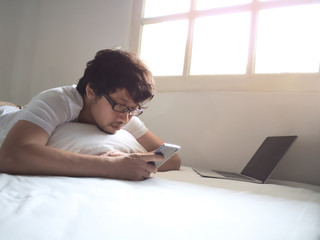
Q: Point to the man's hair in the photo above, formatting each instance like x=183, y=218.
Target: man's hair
x=113, y=69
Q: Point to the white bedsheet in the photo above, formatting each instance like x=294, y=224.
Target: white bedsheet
x=170, y=205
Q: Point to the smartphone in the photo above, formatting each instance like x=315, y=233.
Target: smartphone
x=167, y=150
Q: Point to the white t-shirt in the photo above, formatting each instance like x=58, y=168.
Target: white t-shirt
x=53, y=107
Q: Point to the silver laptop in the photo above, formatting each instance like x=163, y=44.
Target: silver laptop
x=261, y=165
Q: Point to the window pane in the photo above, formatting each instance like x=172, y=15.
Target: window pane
x=155, y=8
x=220, y=44
x=207, y=4
x=288, y=40
x=163, y=47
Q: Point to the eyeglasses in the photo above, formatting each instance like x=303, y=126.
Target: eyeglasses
x=122, y=108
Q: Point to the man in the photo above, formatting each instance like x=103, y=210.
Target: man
x=111, y=94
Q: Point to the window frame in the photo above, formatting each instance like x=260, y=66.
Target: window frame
x=248, y=82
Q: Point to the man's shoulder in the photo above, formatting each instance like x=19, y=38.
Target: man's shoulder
x=53, y=107
x=64, y=93
x=63, y=90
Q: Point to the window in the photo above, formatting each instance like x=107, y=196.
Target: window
x=237, y=45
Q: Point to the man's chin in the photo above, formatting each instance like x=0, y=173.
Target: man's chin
x=109, y=131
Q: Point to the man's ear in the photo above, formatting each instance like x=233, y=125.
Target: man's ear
x=89, y=92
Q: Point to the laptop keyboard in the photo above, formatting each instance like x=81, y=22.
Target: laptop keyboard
x=233, y=175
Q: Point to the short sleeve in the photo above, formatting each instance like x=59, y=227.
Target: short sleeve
x=53, y=107
x=136, y=127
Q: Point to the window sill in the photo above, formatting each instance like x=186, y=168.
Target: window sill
x=241, y=83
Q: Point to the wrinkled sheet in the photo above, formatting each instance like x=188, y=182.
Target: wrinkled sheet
x=170, y=205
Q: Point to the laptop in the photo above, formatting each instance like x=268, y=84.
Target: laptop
x=261, y=165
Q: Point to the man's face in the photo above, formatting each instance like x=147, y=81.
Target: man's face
x=105, y=117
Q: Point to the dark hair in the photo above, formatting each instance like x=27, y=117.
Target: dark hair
x=113, y=69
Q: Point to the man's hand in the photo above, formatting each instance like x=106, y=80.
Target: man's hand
x=131, y=166
x=151, y=142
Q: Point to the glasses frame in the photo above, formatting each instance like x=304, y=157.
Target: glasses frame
x=132, y=112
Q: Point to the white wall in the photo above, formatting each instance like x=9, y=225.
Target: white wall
x=46, y=43
x=223, y=130
x=10, y=12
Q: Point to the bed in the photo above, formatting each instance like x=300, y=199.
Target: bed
x=169, y=205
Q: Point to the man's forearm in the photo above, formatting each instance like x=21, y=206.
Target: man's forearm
x=33, y=159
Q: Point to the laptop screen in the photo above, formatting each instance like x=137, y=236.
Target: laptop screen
x=267, y=157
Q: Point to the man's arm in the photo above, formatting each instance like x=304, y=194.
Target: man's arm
x=151, y=142
x=24, y=151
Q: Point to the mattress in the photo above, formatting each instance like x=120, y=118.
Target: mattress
x=169, y=205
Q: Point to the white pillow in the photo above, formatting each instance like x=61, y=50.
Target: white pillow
x=88, y=139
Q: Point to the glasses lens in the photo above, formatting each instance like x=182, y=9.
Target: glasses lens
x=120, y=108
x=136, y=112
